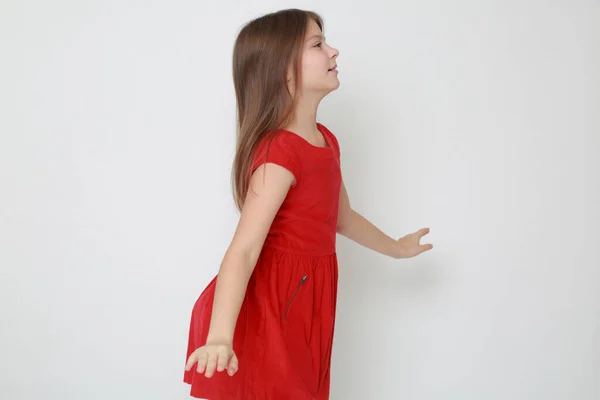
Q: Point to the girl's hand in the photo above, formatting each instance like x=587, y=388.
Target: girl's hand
x=409, y=246
x=214, y=355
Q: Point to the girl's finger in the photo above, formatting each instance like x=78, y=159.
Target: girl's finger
x=190, y=361
x=425, y=247
x=222, y=360
x=233, y=366
x=201, y=362
x=211, y=365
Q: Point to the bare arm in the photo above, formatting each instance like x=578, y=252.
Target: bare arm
x=358, y=229
x=267, y=193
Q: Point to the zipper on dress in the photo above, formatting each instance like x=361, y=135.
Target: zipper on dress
x=294, y=295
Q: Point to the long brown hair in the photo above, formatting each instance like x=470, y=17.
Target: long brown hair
x=265, y=49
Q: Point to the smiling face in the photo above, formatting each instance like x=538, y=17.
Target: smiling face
x=319, y=62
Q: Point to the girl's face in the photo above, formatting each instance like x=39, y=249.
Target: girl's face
x=319, y=67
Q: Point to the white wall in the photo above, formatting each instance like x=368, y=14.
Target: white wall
x=476, y=118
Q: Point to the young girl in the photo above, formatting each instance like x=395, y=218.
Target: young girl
x=263, y=327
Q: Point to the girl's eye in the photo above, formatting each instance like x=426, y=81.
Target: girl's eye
x=318, y=44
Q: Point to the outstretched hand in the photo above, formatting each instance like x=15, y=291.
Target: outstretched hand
x=410, y=246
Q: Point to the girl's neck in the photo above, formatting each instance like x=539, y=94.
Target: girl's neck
x=304, y=119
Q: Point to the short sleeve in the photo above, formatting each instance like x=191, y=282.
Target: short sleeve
x=278, y=150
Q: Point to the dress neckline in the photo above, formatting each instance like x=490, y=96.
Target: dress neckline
x=328, y=146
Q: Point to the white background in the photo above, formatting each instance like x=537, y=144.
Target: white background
x=479, y=119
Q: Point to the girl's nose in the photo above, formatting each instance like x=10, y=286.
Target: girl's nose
x=336, y=52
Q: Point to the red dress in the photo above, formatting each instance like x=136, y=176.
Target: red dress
x=284, y=333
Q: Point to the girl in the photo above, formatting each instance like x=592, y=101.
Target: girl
x=263, y=327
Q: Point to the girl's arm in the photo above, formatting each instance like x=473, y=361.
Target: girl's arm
x=358, y=229
x=269, y=185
